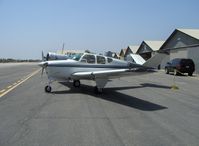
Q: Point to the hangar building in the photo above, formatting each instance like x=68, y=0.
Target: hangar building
x=182, y=43
x=130, y=55
x=130, y=50
x=147, y=49
x=122, y=53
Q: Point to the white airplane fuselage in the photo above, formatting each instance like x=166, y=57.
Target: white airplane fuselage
x=63, y=70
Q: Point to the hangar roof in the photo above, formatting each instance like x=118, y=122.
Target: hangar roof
x=192, y=32
x=122, y=51
x=154, y=45
x=133, y=48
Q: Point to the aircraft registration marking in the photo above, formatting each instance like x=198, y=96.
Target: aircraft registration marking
x=16, y=84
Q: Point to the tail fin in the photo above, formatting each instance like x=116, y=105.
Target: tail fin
x=156, y=60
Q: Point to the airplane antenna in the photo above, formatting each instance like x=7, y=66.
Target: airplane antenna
x=63, y=49
x=42, y=56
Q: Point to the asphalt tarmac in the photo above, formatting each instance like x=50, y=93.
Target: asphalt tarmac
x=137, y=110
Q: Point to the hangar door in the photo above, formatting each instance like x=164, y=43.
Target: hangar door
x=178, y=53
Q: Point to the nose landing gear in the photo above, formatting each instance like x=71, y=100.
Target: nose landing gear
x=48, y=89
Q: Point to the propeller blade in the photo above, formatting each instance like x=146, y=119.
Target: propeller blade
x=42, y=55
x=43, y=65
x=42, y=71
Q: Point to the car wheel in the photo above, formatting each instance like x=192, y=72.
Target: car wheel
x=190, y=73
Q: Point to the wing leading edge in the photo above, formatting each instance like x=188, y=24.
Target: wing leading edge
x=112, y=73
x=99, y=74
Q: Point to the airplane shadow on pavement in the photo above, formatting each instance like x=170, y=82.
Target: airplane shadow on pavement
x=111, y=94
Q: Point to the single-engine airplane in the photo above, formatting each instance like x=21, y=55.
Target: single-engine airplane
x=88, y=66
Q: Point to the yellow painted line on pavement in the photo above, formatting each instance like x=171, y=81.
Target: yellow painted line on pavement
x=195, y=77
x=2, y=91
x=9, y=87
x=14, y=83
x=5, y=91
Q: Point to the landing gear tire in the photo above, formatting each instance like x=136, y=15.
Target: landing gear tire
x=48, y=89
x=76, y=83
x=98, y=90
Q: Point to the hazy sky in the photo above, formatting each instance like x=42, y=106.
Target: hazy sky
x=29, y=26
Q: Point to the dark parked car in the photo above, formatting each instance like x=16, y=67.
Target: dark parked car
x=180, y=65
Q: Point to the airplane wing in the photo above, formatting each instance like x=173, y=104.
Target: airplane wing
x=98, y=74
x=110, y=73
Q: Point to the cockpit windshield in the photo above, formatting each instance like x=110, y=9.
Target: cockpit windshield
x=77, y=56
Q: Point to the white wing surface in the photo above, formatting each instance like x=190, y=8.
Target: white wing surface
x=99, y=74
x=111, y=73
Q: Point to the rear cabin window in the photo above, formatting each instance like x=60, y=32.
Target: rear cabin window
x=101, y=60
x=88, y=59
x=109, y=60
x=175, y=61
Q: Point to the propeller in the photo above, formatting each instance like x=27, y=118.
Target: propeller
x=42, y=56
x=43, y=64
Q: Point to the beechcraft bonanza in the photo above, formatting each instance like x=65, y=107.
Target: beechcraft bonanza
x=88, y=66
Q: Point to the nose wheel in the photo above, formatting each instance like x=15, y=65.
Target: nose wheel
x=48, y=89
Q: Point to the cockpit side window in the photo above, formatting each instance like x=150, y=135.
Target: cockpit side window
x=109, y=60
x=88, y=59
x=101, y=60
x=76, y=56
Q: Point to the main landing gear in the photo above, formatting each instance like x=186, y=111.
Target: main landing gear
x=48, y=89
x=76, y=83
x=100, y=84
x=98, y=90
